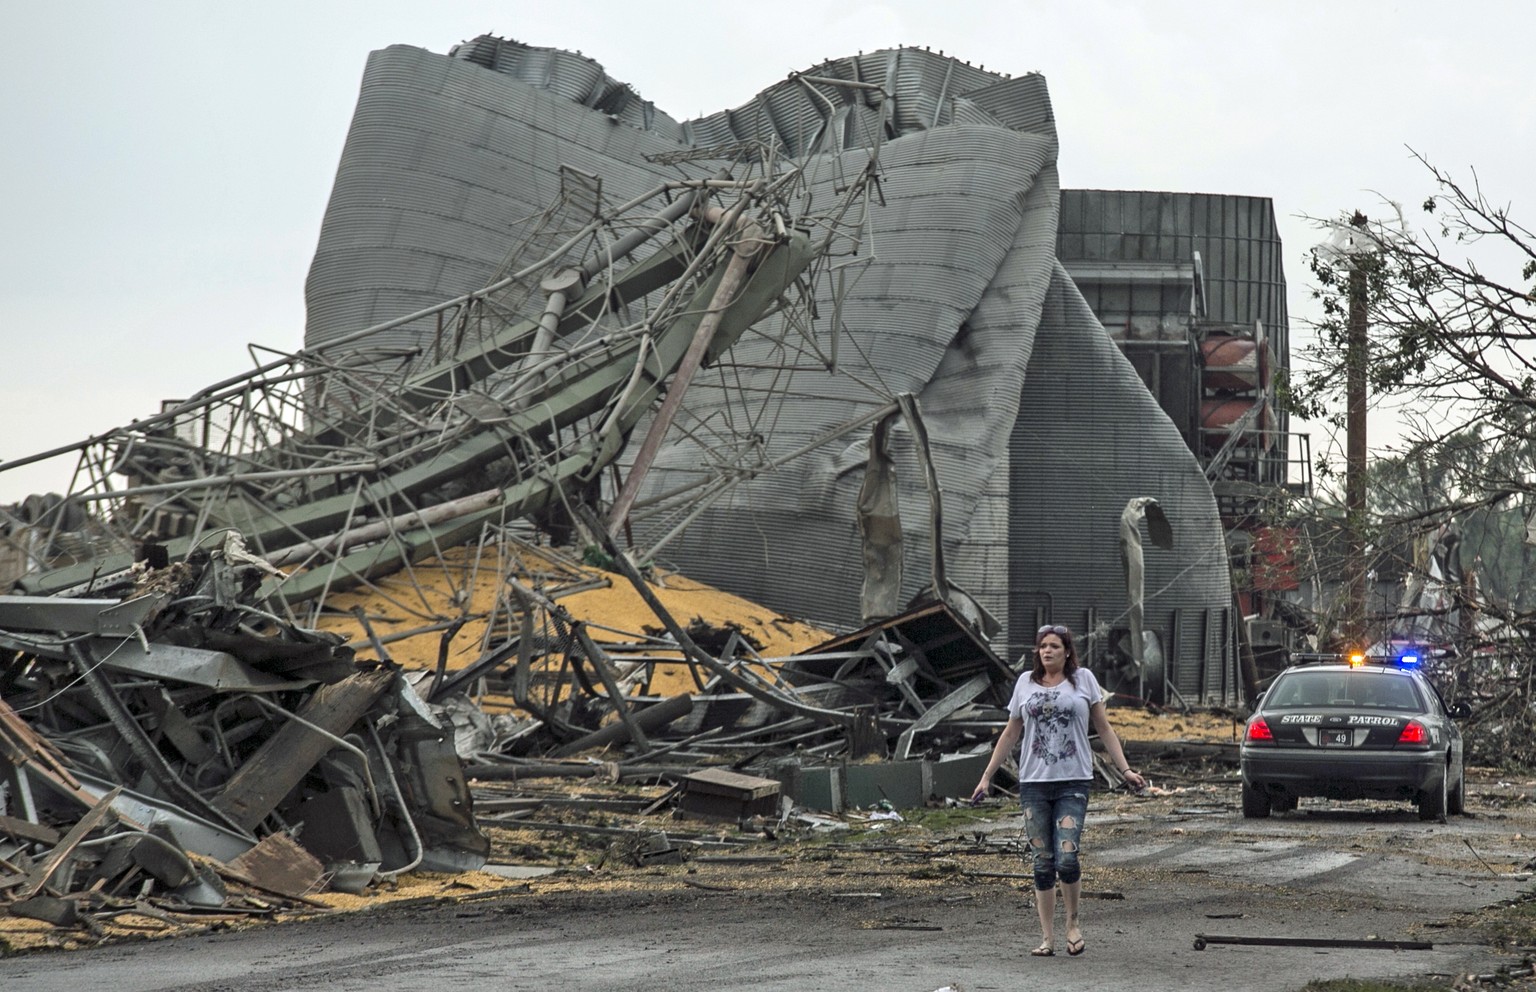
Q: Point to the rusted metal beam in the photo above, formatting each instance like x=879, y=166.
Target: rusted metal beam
x=1202, y=939
x=725, y=293
x=650, y=718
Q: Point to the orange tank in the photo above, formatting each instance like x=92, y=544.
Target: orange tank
x=1232, y=362
x=1219, y=413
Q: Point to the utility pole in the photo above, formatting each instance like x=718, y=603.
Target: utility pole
x=1356, y=356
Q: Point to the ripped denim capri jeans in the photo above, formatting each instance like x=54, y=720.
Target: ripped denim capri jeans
x=1053, y=822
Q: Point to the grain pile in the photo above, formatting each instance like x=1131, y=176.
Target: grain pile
x=410, y=610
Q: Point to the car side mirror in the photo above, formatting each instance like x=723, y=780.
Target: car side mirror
x=1460, y=711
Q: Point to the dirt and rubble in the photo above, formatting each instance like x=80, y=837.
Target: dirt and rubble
x=569, y=834
x=176, y=757
x=570, y=811
x=938, y=895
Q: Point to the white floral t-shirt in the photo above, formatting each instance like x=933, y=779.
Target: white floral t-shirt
x=1054, y=746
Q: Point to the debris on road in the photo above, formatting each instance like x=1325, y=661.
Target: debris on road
x=1204, y=939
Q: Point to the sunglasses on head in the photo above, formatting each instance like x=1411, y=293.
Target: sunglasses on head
x=1052, y=628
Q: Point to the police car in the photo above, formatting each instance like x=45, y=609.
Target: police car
x=1354, y=730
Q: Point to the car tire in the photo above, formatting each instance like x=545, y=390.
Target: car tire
x=1456, y=798
x=1432, y=801
x=1255, y=803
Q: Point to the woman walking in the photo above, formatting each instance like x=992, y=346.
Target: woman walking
x=1053, y=706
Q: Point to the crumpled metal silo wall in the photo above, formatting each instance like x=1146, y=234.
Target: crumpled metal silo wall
x=958, y=260
x=570, y=75
x=1088, y=439
x=943, y=301
x=445, y=166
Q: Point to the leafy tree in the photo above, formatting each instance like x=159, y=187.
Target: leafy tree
x=1452, y=342
x=1450, y=304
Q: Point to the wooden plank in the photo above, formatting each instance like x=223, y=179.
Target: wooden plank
x=27, y=830
x=59, y=912
x=279, y=864
x=39, y=875
x=288, y=755
x=22, y=745
x=720, y=782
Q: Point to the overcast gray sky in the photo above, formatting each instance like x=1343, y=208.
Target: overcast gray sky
x=164, y=164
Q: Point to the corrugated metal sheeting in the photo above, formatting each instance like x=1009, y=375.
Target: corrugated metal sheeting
x=445, y=166
x=1089, y=438
x=1040, y=430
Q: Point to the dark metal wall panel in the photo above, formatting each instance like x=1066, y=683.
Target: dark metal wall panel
x=1238, y=243
x=1236, y=237
x=1168, y=370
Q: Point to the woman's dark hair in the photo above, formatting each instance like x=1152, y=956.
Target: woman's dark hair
x=1069, y=669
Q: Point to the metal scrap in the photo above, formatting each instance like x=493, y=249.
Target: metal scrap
x=1204, y=939
x=150, y=745
x=181, y=723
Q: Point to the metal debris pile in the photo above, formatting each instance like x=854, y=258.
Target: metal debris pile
x=697, y=690
x=167, y=746
x=177, y=750
x=213, y=698
x=197, y=690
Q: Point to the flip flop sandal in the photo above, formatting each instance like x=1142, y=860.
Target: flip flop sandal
x=1076, y=947
x=1043, y=951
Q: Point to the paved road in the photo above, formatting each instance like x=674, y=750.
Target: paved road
x=1320, y=872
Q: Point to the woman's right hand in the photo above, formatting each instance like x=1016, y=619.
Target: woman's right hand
x=981, y=792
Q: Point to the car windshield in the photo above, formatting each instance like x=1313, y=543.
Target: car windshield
x=1355, y=689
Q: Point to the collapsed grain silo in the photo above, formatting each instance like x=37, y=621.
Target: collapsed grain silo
x=1038, y=429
